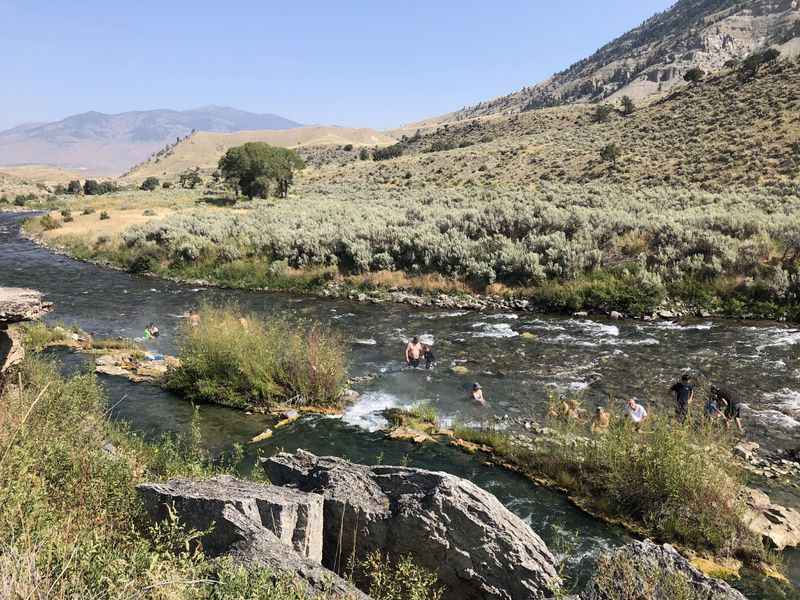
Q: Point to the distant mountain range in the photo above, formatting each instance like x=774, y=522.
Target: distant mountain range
x=108, y=144
x=655, y=56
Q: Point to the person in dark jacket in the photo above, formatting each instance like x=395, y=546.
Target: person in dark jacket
x=684, y=394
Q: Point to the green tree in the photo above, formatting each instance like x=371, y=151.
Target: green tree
x=74, y=187
x=602, y=113
x=694, y=75
x=363, y=154
x=610, y=153
x=628, y=106
x=190, y=178
x=91, y=187
x=255, y=167
x=149, y=184
x=753, y=63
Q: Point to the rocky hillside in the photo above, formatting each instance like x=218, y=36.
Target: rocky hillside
x=108, y=144
x=655, y=56
x=728, y=130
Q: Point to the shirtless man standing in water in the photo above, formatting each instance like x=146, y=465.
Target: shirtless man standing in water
x=413, y=352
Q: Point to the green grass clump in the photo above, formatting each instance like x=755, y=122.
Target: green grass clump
x=674, y=481
x=241, y=361
x=115, y=344
x=38, y=335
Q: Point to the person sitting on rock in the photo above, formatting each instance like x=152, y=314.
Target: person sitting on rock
x=601, y=420
x=151, y=331
x=728, y=406
x=477, y=394
x=635, y=412
x=413, y=352
x=427, y=354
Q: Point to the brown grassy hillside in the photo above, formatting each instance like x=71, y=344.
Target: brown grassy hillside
x=725, y=131
x=203, y=149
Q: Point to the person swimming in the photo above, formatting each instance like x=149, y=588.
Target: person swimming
x=477, y=394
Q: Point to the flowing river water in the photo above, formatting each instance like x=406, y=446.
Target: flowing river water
x=602, y=359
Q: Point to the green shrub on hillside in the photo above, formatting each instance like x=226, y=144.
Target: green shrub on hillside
x=241, y=361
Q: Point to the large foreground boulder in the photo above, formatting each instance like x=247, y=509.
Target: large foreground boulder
x=477, y=547
x=647, y=570
x=258, y=526
x=295, y=518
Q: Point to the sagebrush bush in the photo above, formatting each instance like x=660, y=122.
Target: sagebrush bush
x=242, y=361
x=624, y=248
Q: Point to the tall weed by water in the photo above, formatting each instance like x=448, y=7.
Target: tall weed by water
x=242, y=361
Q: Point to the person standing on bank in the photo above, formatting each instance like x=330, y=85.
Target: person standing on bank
x=684, y=394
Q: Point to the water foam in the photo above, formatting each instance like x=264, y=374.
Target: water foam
x=367, y=412
x=493, y=330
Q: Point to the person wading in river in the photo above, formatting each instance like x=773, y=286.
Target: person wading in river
x=684, y=394
x=413, y=352
x=477, y=394
x=427, y=354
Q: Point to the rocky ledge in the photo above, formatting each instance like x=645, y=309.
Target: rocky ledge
x=16, y=305
x=321, y=511
x=21, y=304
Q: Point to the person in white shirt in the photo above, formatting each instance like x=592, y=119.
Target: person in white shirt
x=636, y=412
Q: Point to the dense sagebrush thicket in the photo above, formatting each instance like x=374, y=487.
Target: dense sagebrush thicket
x=72, y=526
x=242, y=361
x=654, y=240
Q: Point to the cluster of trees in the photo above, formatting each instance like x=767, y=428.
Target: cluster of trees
x=92, y=187
x=388, y=152
x=255, y=169
x=149, y=184
x=190, y=178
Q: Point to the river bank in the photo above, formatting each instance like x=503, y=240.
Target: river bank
x=556, y=250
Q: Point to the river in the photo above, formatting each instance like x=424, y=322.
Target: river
x=602, y=359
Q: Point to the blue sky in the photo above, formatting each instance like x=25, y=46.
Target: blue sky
x=357, y=63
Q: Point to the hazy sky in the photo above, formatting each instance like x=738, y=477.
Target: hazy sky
x=377, y=63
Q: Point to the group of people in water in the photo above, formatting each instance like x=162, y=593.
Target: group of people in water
x=417, y=352
x=721, y=404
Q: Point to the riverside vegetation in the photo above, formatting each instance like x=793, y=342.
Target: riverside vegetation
x=72, y=525
x=673, y=482
x=242, y=361
x=564, y=247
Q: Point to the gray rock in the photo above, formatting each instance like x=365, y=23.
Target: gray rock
x=478, y=548
x=777, y=525
x=647, y=570
x=295, y=518
x=254, y=546
x=21, y=304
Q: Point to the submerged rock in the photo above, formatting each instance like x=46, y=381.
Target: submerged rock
x=647, y=570
x=478, y=548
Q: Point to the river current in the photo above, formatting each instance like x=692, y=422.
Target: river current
x=519, y=359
